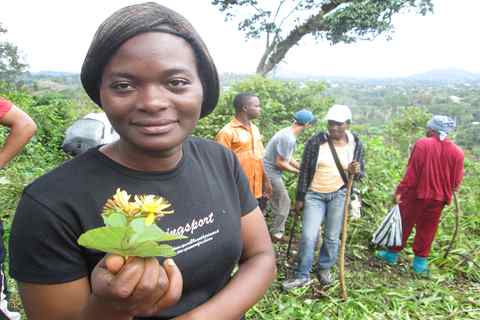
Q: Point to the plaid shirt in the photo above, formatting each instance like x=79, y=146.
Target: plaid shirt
x=309, y=161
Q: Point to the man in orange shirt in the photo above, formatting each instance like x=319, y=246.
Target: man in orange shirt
x=243, y=137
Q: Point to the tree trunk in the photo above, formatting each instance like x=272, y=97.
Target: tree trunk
x=278, y=49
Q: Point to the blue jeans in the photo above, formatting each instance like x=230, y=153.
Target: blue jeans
x=320, y=208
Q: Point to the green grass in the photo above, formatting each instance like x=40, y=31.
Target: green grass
x=377, y=291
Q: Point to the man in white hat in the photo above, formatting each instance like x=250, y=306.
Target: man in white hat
x=321, y=190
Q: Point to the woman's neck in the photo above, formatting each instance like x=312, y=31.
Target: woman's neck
x=142, y=160
x=342, y=141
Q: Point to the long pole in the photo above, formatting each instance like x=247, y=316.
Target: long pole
x=346, y=212
x=292, y=231
x=455, y=230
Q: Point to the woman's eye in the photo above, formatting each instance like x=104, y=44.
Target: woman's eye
x=121, y=86
x=176, y=83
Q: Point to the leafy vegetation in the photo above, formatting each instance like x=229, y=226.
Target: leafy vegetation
x=11, y=64
x=376, y=291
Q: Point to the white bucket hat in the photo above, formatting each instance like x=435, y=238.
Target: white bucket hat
x=339, y=113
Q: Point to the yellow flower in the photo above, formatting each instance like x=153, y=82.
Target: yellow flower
x=121, y=200
x=153, y=206
x=150, y=218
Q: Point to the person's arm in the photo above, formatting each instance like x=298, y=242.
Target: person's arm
x=284, y=164
x=294, y=163
x=22, y=128
x=64, y=301
x=266, y=186
x=224, y=138
x=359, y=156
x=415, y=165
x=284, y=150
x=141, y=288
x=256, y=272
x=302, y=184
x=354, y=168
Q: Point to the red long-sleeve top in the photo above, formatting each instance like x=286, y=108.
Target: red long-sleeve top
x=434, y=170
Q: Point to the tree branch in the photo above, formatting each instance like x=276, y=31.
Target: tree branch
x=278, y=10
x=277, y=50
x=288, y=15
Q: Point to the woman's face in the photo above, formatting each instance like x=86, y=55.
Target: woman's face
x=336, y=130
x=151, y=92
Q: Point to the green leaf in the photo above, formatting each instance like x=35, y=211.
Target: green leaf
x=115, y=220
x=138, y=225
x=152, y=233
x=107, y=239
x=113, y=240
x=150, y=249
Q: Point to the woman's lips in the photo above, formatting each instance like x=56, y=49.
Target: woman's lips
x=156, y=127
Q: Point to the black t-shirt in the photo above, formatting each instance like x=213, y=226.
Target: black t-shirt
x=208, y=192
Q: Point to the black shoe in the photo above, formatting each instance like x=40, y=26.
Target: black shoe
x=324, y=277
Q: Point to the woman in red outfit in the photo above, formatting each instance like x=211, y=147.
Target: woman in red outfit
x=434, y=172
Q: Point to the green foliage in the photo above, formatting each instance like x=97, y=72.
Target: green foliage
x=407, y=127
x=141, y=244
x=279, y=99
x=11, y=65
x=469, y=137
x=52, y=114
x=375, y=291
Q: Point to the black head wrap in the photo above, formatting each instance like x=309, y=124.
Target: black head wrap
x=134, y=20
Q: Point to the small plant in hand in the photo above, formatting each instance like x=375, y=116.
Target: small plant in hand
x=130, y=230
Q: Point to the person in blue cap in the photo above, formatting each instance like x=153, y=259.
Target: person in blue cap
x=434, y=172
x=278, y=158
x=321, y=190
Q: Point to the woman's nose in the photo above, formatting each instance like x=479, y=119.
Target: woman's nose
x=153, y=99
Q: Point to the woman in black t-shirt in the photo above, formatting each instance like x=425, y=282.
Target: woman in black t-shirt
x=152, y=75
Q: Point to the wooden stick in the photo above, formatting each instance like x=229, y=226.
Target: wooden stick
x=346, y=212
x=292, y=231
x=457, y=222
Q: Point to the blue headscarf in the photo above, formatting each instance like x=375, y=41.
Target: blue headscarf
x=442, y=125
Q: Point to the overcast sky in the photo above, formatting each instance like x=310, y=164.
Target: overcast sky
x=54, y=35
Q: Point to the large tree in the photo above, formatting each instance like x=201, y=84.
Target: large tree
x=286, y=22
x=11, y=65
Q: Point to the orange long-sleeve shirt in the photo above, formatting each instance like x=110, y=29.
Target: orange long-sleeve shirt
x=246, y=143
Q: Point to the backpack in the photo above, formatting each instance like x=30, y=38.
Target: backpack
x=90, y=131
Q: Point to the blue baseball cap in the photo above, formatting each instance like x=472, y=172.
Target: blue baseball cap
x=304, y=116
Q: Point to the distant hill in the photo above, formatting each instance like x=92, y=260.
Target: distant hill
x=446, y=76
x=53, y=74
x=439, y=77
x=56, y=81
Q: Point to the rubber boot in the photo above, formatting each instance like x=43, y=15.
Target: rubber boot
x=420, y=265
x=389, y=257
